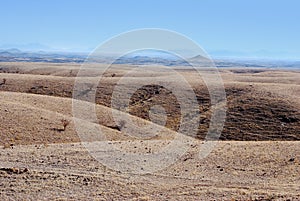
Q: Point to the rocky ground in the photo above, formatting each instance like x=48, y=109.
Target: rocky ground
x=43, y=157
x=233, y=171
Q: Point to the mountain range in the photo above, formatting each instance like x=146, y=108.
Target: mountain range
x=144, y=58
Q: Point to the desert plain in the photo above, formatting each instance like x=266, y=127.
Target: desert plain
x=256, y=157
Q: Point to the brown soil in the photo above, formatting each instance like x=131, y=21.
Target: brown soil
x=42, y=158
x=255, y=111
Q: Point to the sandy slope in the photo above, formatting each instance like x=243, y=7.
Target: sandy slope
x=261, y=106
x=36, y=119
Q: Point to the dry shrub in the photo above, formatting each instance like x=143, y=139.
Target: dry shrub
x=3, y=81
x=121, y=124
x=65, y=123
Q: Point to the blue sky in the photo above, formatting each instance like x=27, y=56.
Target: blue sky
x=258, y=27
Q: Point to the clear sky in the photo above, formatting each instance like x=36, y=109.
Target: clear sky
x=254, y=26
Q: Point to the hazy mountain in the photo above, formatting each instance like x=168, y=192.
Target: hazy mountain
x=13, y=55
x=140, y=58
x=27, y=47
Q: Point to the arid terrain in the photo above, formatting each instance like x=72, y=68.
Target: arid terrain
x=257, y=156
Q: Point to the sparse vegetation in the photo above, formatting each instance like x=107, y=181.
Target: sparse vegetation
x=6, y=146
x=14, y=170
x=121, y=124
x=263, y=111
x=3, y=81
x=65, y=123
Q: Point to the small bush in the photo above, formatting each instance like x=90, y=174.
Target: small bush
x=65, y=123
x=121, y=124
x=3, y=81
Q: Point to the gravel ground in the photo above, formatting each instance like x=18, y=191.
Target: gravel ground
x=234, y=170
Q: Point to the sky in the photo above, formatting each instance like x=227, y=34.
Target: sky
x=231, y=27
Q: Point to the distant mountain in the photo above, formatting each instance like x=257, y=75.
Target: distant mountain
x=145, y=60
x=15, y=55
x=198, y=58
x=27, y=47
x=12, y=50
